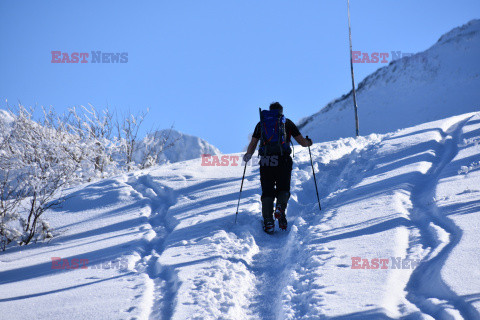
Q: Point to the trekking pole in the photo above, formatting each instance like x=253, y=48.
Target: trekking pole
x=314, y=179
x=240, y=194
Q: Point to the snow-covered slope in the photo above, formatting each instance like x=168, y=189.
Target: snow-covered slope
x=440, y=82
x=162, y=243
x=178, y=147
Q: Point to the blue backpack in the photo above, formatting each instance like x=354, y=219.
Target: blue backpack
x=273, y=139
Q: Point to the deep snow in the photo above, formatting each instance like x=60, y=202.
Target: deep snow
x=411, y=194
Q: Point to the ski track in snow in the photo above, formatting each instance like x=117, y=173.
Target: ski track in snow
x=161, y=300
x=420, y=289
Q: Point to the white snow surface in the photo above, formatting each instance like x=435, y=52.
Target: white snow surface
x=439, y=82
x=404, y=195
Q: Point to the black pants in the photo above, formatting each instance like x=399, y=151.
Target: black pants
x=275, y=175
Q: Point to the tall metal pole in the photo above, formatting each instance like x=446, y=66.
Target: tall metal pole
x=351, y=69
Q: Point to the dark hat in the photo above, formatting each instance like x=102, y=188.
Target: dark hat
x=276, y=106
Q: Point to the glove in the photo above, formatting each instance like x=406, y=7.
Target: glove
x=309, y=140
x=247, y=157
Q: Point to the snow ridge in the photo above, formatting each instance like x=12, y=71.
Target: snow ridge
x=470, y=28
x=439, y=82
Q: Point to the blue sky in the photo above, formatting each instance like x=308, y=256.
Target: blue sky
x=206, y=66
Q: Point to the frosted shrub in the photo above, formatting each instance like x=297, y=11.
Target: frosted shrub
x=39, y=159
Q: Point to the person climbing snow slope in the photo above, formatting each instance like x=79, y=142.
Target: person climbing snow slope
x=274, y=132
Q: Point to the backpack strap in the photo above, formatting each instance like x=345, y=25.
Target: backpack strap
x=280, y=131
x=262, y=137
x=288, y=136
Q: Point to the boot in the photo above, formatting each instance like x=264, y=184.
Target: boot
x=281, y=207
x=267, y=212
x=281, y=217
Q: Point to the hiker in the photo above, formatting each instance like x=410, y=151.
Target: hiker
x=274, y=132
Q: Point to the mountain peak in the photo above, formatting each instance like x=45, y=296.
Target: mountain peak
x=470, y=28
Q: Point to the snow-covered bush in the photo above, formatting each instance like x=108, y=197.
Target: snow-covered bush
x=149, y=151
x=39, y=158
x=96, y=147
x=34, y=166
x=136, y=153
x=127, y=138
